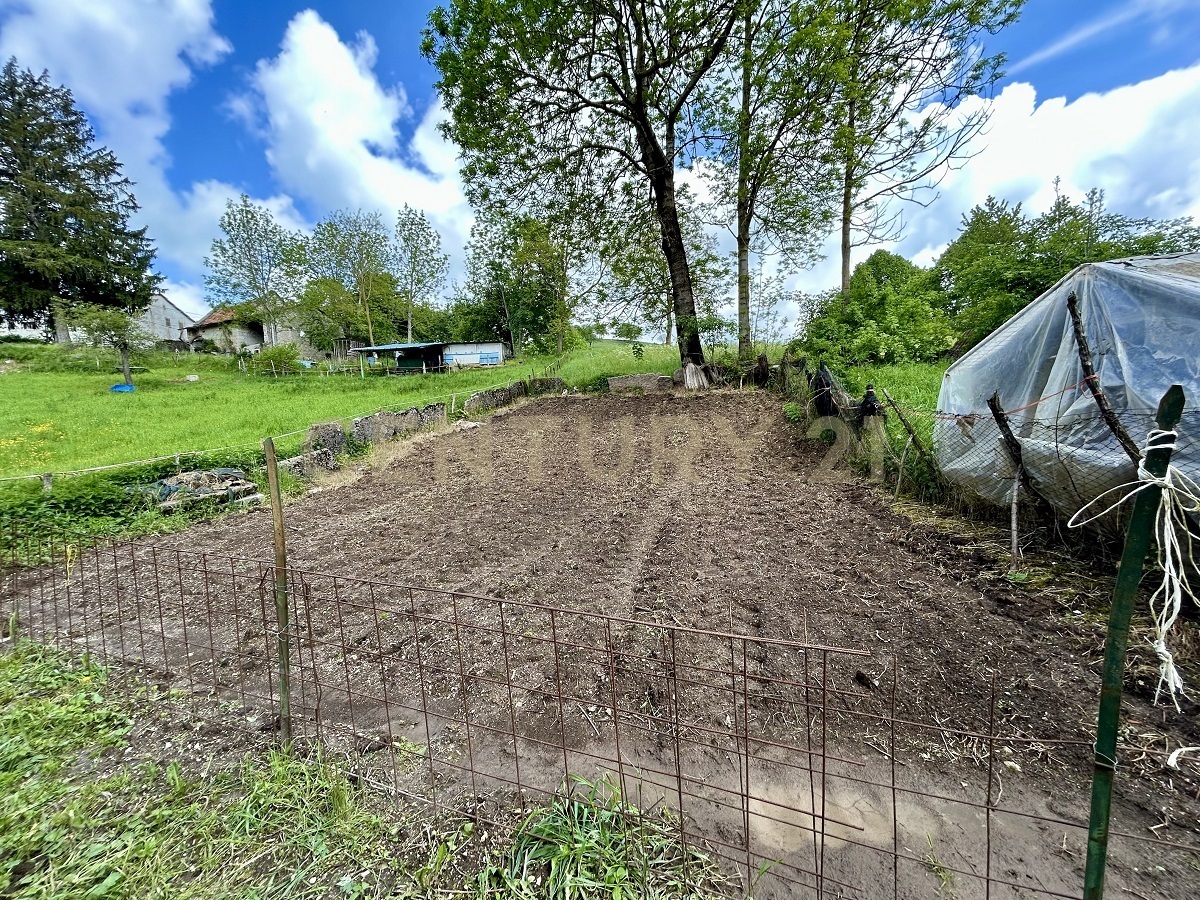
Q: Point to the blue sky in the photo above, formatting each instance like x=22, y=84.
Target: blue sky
x=309, y=108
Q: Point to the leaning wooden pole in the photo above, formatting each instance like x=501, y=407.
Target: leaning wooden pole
x=283, y=633
x=1013, y=446
x=916, y=441
x=1137, y=544
x=1128, y=444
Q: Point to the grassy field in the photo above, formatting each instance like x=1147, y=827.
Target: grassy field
x=65, y=420
x=57, y=414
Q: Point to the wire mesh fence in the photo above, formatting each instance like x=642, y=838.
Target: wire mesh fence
x=804, y=774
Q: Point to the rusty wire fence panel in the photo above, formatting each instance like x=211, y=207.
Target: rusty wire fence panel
x=771, y=755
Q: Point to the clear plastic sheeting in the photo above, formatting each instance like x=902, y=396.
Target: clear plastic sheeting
x=1142, y=321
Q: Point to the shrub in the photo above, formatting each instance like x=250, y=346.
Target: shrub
x=280, y=358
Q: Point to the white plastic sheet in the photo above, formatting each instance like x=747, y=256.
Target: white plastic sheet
x=1142, y=320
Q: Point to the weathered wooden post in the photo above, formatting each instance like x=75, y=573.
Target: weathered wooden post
x=283, y=634
x=1137, y=543
x=47, y=483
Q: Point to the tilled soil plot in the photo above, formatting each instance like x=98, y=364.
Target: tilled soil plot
x=709, y=512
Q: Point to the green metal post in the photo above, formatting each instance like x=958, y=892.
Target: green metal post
x=1137, y=543
x=283, y=633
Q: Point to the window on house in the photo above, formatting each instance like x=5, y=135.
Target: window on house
x=168, y=321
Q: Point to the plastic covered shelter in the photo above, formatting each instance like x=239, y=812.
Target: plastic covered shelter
x=1142, y=321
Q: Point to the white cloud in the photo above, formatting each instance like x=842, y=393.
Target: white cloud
x=1081, y=34
x=333, y=131
x=1136, y=142
x=122, y=59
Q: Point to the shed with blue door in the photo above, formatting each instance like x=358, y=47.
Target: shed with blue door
x=485, y=353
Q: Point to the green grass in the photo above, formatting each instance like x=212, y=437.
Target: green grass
x=75, y=825
x=913, y=385
x=585, y=368
x=594, y=846
x=53, y=419
x=85, y=813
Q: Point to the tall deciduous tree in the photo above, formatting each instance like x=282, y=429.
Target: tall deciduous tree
x=775, y=168
x=575, y=96
x=255, y=265
x=420, y=265
x=356, y=249
x=64, y=209
x=907, y=68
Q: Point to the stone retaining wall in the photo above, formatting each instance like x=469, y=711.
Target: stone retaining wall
x=641, y=383
x=487, y=400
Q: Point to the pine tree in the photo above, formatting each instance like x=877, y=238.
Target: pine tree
x=64, y=209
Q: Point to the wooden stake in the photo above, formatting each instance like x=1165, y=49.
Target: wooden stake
x=283, y=634
x=912, y=432
x=1013, y=446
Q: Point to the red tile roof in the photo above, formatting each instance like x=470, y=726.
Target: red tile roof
x=218, y=316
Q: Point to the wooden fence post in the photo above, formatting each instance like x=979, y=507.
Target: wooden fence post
x=1137, y=543
x=283, y=634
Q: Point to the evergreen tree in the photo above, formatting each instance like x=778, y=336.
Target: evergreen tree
x=64, y=209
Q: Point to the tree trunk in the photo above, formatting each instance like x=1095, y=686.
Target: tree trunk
x=62, y=331
x=410, y=307
x=370, y=327
x=670, y=323
x=660, y=167
x=125, y=366
x=743, y=198
x=847, y=214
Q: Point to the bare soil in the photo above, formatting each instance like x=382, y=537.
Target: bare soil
x=712, y=512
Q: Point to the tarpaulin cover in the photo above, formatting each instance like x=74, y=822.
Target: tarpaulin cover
x=1142, y=320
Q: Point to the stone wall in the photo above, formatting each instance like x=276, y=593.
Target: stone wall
x=487, y=400
x=383, y=426
x=538, y=386
x=641, y=383
x=306, y=465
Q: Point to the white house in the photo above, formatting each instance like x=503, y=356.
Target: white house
x=487, y=353
x=165, y=320
x=162, y=319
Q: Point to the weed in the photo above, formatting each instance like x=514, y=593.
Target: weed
x=593, y=845
x=944, y=876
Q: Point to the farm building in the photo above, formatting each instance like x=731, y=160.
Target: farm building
x=221, y=326
x=1141, y=322
x=162, y=319
x=489, y=353
x=166, y=321
x=405, y=358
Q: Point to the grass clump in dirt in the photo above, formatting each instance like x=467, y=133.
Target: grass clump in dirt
x=593, y=845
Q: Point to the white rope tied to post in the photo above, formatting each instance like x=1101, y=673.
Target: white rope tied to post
x=1180, y=496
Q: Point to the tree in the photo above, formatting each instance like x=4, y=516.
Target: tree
x=420, y=265
x=1003, y=259
x=892, y=312
x=573, y=98
x=109, y=326
x=634, y=283
x=354, y=248
x=907, y=67
x=64, y=209
x=515, y=284
x=256, y=265
x=775, y=169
